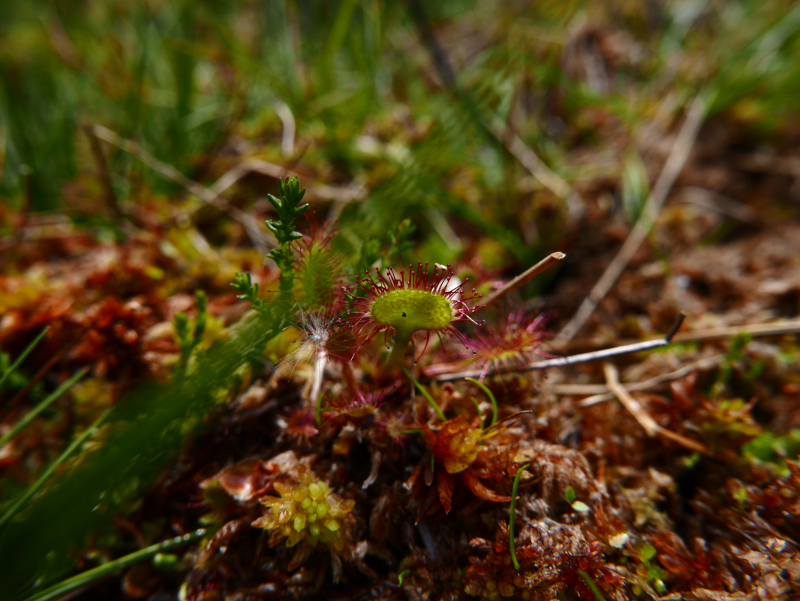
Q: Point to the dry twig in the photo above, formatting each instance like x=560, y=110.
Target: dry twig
x=257, y=236
x=645, y=420
x=523, y=278
x=600, y=392
x=672, y=168
x=253, y=165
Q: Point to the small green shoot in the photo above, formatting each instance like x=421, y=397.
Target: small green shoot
x=248, y=291
x=514, y=489
x=735, y=353
x=402, y=575
x=426, y=394
x=592, y=585
x=188, y=339
x=635, y=187
x=318, y=411
x=488, y=392
x=580, y=506
x=289, y=210
x=369, y=255
x=400, y=242
x=653, y=573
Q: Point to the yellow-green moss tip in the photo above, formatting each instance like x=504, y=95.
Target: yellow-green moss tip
x=306, y=511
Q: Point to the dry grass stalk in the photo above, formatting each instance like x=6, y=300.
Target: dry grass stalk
x=523, y=278
x=672, y=168
x=645, y=420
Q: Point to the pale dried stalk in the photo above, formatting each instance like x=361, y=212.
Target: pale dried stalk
x=600, y=392
x=645, y=420
x=259, y=238
x=254, y=165
x=672, y=168
x=523, y=278
x=779, y=328
x=776, y=328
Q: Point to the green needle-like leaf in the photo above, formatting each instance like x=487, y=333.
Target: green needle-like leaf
x=81, y=580
x=21, y=358
x=33, y=414
x=37, y=486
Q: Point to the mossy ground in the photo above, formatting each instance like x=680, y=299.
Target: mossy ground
x=389, y=111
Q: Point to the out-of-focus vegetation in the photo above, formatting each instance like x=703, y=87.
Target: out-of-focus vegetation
x=139, y=142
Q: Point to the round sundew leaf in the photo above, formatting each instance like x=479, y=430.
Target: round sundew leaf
x=412, y=310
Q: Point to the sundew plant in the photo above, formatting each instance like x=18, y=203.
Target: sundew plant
x=399, y=301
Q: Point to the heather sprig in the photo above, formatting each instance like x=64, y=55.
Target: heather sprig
x=289, y=210
x=249, y=291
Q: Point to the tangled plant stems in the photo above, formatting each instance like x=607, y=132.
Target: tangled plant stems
x=423, y=301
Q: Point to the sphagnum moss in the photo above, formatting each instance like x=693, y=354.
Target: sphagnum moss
x=307, y=511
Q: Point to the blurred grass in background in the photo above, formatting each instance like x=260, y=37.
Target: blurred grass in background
x=196, y=81
x=398, y=97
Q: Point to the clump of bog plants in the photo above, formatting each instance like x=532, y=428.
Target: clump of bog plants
x=325, y=470
x=306, y=513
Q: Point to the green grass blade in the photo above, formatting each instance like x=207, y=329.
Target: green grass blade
x=23, y=423
x=40, y=482
x=490, y=395
x=21, y=358
x=511, y=517
x=427, y=395
x=81, y=580
x=592, y=585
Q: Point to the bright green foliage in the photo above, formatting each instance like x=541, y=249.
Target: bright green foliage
x=289, y=210
x=773, y=450
x=249, y=291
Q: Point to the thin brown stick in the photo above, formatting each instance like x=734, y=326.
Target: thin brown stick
x=781, y=328
x=672, y=168
x=523, y=278
x=258, y=237
x=645, y=419
x=600, y=392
